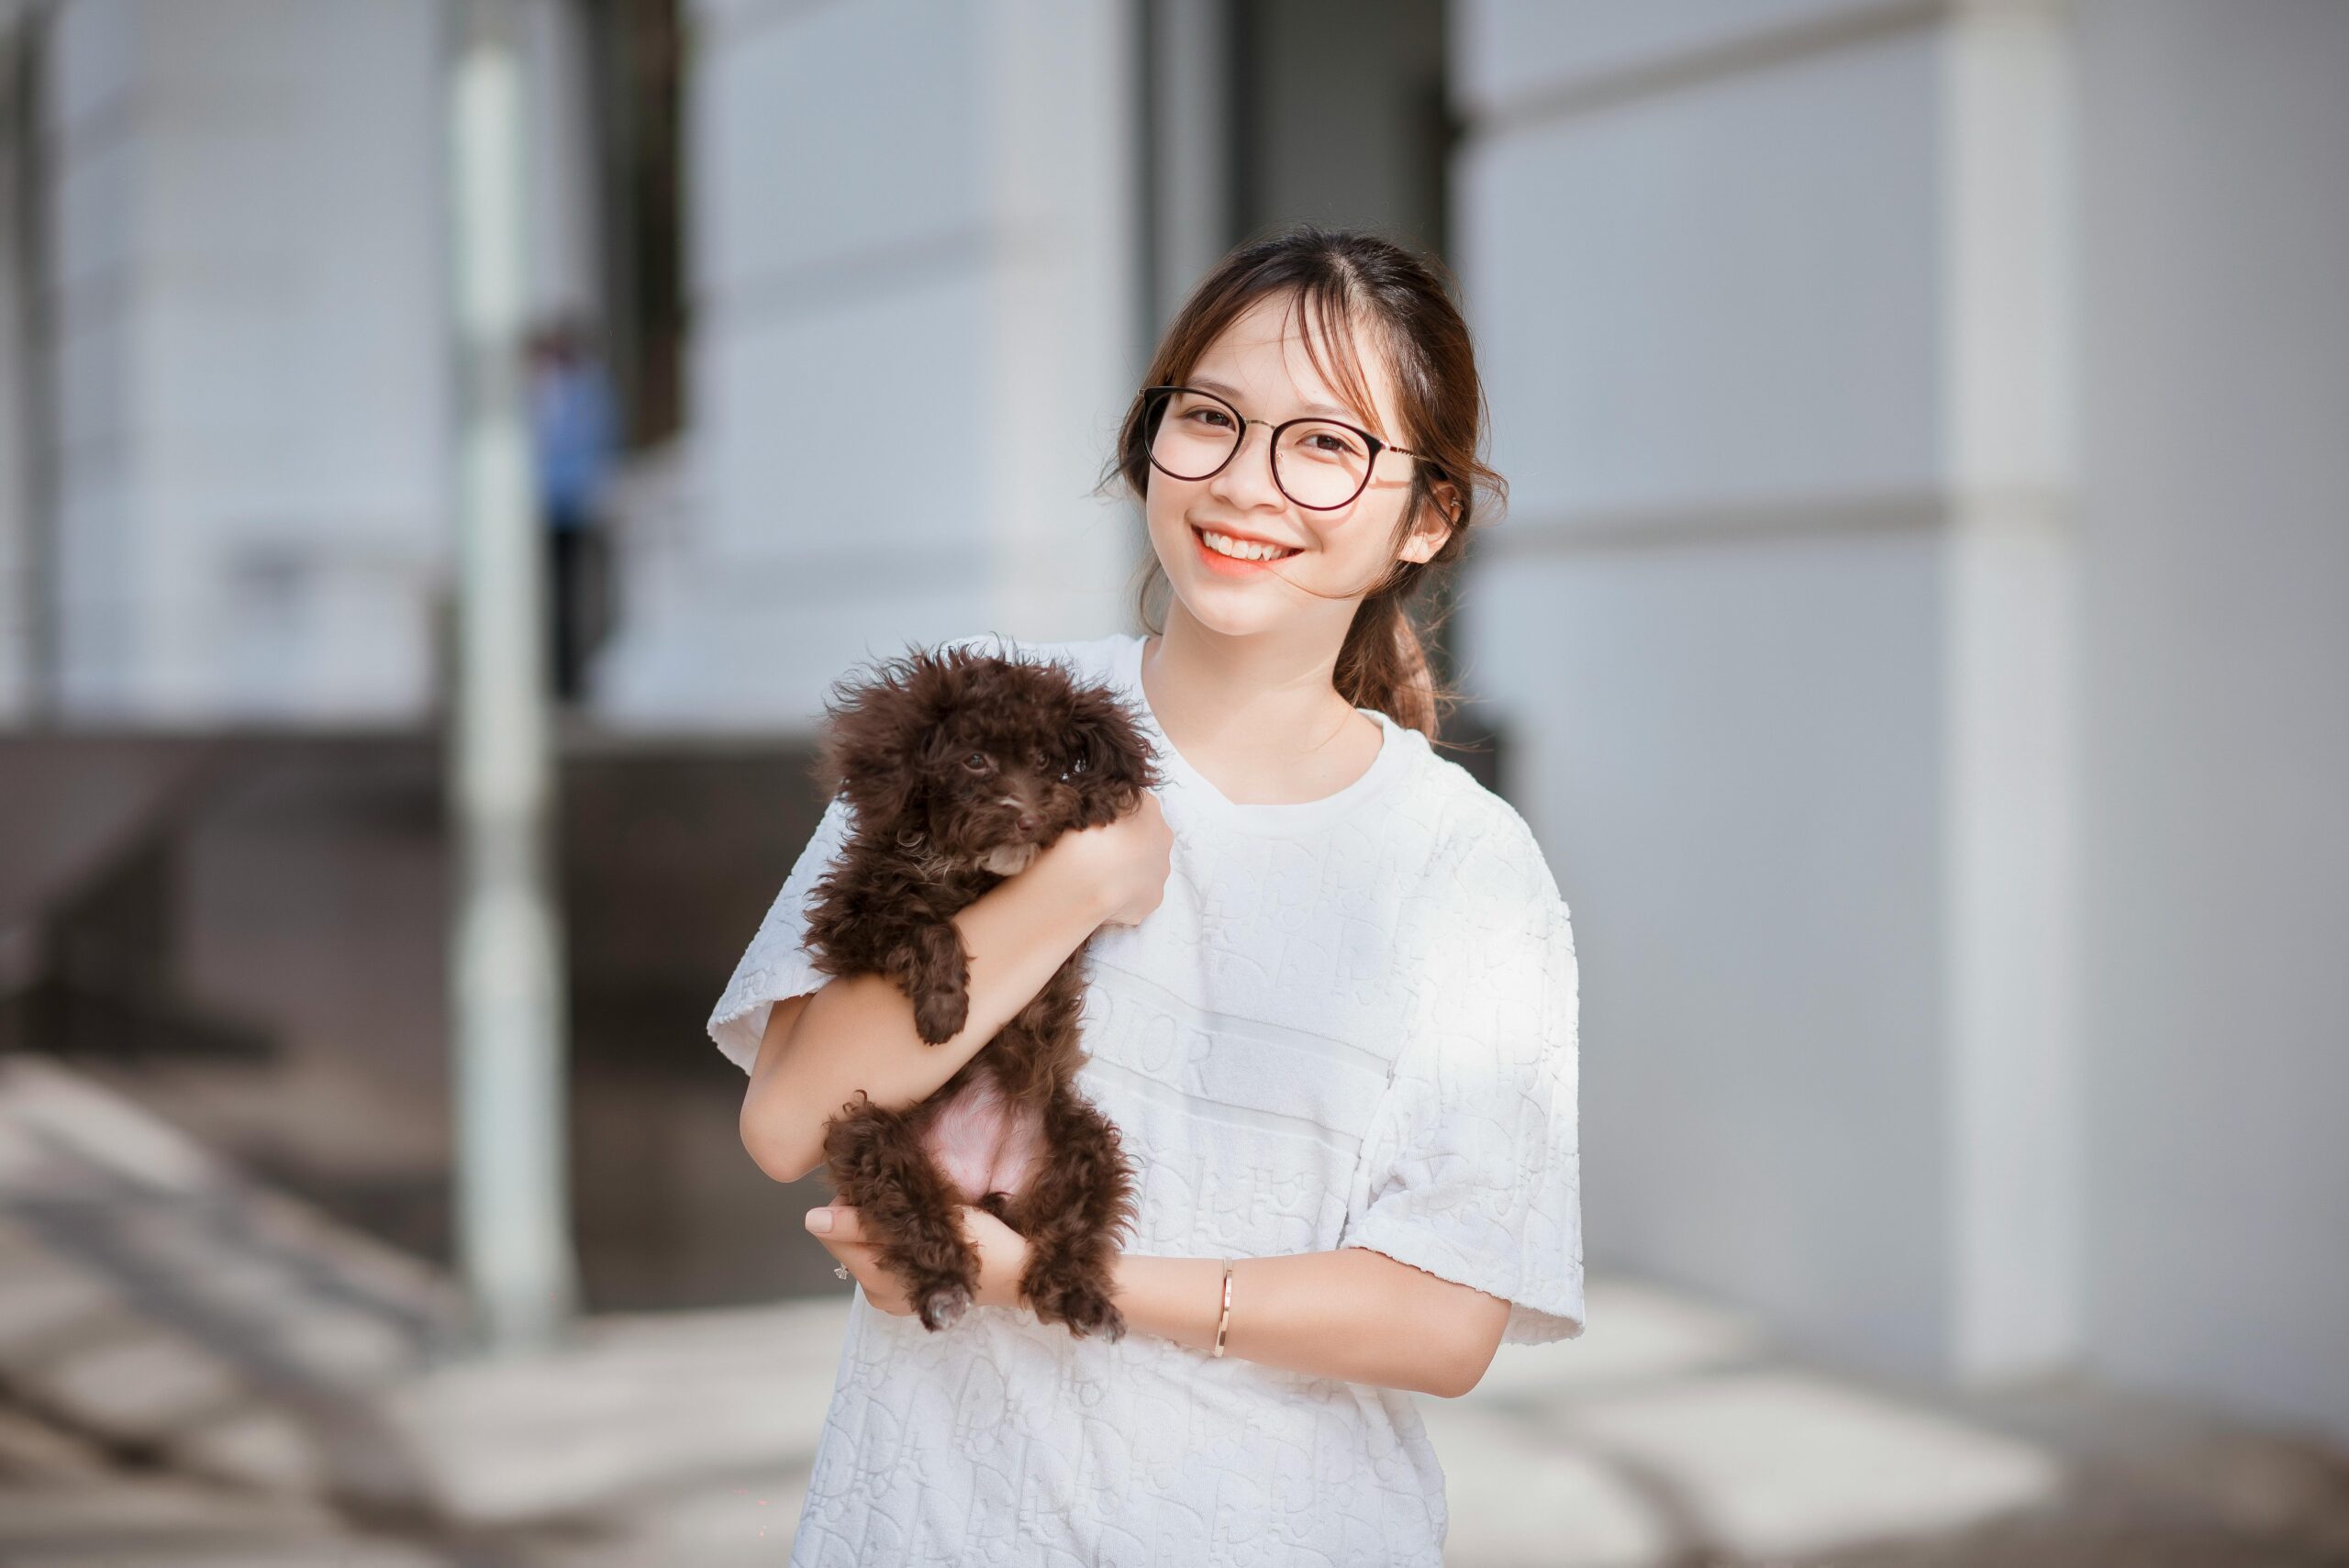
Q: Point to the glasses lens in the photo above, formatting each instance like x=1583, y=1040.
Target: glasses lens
x=1192, y=435
x=1321, y=465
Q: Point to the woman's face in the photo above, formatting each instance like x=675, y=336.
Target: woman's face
x=1340, y=555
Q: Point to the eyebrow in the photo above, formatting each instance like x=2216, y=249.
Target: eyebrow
x=1324, y=409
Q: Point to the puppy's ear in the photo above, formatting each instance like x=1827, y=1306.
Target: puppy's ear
x=1118, y=760
x=877, y=739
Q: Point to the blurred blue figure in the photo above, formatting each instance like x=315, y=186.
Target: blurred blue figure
x=576, y=432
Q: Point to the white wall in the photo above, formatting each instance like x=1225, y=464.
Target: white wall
x=246, y=303
x=1920, y=616
x=1665, y=343
x=909, y=360
x=2217, y=604
x=1779, y=522
x=250, y=368
x=913, y=265
x=1725, y=751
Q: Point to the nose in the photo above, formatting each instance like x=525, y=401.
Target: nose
x=1029, y=821
x=1246, y=480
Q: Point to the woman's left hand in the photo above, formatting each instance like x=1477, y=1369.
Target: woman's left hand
x=1003, y=1258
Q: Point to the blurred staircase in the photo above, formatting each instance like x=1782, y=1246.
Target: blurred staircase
x=87, y=827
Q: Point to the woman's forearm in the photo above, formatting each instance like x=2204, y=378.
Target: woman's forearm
x=857, y=1032
x=1352, y=1314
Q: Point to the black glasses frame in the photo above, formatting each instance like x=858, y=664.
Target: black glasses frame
x=1272, y=451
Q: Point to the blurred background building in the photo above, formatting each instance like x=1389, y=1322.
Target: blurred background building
x=1917, y=634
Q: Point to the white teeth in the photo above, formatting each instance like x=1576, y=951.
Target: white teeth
x=1240, y=549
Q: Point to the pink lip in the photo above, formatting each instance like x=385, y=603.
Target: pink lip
x=1225, y=565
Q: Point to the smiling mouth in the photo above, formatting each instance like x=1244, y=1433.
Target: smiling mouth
x=1228, y=549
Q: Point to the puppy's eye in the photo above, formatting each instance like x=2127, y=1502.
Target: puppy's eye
x=977, y=763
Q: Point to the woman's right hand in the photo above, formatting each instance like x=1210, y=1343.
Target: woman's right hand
x=1126, y=861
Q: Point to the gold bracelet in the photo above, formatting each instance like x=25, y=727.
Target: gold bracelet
x=1224, y=1321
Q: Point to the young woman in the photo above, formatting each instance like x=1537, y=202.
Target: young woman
x=1339, y=1039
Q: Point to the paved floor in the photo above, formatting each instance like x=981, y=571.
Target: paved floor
x=196, y=1371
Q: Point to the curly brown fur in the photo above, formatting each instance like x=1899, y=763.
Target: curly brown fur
x=1068, y=1214
x=960, y=768
x=879, y=1166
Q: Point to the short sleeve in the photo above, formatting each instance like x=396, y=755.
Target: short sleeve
x=777, y=965
x=1471, y=1168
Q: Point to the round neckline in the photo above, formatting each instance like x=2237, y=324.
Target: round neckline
x=1278, y=816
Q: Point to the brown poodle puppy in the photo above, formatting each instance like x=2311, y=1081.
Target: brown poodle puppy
x=960, y=768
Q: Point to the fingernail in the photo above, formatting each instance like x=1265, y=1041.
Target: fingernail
x=819, y=1219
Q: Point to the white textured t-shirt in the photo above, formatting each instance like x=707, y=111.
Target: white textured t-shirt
x=1350, y=1022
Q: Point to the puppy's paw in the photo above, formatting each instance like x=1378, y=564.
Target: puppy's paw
x=942, y=1305
x=1083, y=1305
x=939, y=1016
x=1090, y=1314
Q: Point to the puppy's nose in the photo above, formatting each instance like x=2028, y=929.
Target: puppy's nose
x=1029, y=821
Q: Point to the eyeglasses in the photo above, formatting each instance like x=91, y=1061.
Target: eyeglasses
x=1320, y=464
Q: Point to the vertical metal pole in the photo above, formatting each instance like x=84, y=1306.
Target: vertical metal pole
x=513, y=1212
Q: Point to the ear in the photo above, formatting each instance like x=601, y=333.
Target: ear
x=1434, y=524
x=875, y=741
x=1119, y=761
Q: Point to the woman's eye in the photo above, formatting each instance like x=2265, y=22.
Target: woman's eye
x=976, y=762
x=1338, y=445
x=1212, y=416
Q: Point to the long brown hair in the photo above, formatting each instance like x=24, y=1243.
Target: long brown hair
x=1341, y=279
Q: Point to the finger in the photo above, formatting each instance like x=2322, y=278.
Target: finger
x=857, y=1255
x=881, y=1287
x=862, y=1258
x=844, y=1239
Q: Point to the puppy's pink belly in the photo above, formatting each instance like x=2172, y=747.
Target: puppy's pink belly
x=981, y=1143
